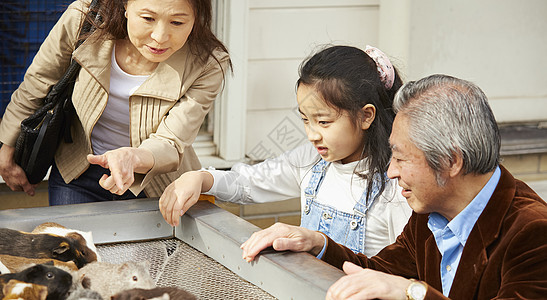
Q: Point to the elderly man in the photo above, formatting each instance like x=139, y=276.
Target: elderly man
x=476, y=232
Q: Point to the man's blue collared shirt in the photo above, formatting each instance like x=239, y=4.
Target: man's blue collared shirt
x=451, y=236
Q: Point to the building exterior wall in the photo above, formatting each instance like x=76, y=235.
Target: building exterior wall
x=500, y=45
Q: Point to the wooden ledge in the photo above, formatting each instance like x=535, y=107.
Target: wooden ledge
x=523, y=139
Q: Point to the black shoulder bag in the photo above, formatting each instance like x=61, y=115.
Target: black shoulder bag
x=41, y=132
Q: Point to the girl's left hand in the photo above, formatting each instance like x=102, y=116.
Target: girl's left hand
x=123, y=163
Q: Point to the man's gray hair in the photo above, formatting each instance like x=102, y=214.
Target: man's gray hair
x=450, y=116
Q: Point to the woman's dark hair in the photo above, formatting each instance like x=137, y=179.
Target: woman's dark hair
x=347, y=79
x=202, y=41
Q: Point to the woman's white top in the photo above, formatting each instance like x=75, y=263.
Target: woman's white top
x=112, y=129
x=287, y=176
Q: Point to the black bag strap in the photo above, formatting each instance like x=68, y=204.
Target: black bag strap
x=74, y=67
x=65, y=86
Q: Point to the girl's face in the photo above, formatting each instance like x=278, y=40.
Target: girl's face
x=336, y=136
x=158, y=29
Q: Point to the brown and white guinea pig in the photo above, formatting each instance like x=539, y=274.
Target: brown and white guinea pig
x=16, y=289
x=84, y=237
x=43, y=245
x=14, y=264
x=109, y=279
x=57, y=281
x=155, y=293
x=4, y=269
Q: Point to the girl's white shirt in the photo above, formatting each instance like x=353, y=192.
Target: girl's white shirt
x=287, y=176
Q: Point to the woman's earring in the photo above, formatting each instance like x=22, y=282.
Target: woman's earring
x=125, y=14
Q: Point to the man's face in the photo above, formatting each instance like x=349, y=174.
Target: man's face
x=409, y=166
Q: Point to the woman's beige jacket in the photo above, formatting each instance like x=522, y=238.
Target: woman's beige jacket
x=166, y=112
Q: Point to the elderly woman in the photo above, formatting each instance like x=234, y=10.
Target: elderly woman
x=149, y=75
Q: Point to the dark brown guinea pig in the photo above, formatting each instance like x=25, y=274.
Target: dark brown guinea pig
x=82, y=237
x=57, y=281
x=143, y=294
x=42, y=245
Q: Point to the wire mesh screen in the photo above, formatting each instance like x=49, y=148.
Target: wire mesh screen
x=24, y=24
x=175, y=263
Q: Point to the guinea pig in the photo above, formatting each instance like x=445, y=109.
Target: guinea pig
x=109, y=279
x=84, y=294
x=16, y=289
x=80, y=237
x=14, y=264
x=42, y=245
x=155, y=293
x=57, y=281
x=4, y=269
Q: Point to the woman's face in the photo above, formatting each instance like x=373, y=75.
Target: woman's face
x=158, y=29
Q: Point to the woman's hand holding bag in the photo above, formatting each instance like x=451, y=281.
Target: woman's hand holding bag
x=13, y=174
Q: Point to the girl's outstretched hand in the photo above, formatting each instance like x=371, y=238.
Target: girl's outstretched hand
x=283, y=237
x=181, y=194
x=123, y=163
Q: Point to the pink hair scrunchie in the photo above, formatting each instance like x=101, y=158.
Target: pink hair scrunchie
x=384, y=66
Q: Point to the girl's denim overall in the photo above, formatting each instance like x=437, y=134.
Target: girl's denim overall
x=344, y=228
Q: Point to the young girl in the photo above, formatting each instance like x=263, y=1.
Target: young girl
x=345, y=100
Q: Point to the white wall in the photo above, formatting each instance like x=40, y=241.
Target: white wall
x=499, y=44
